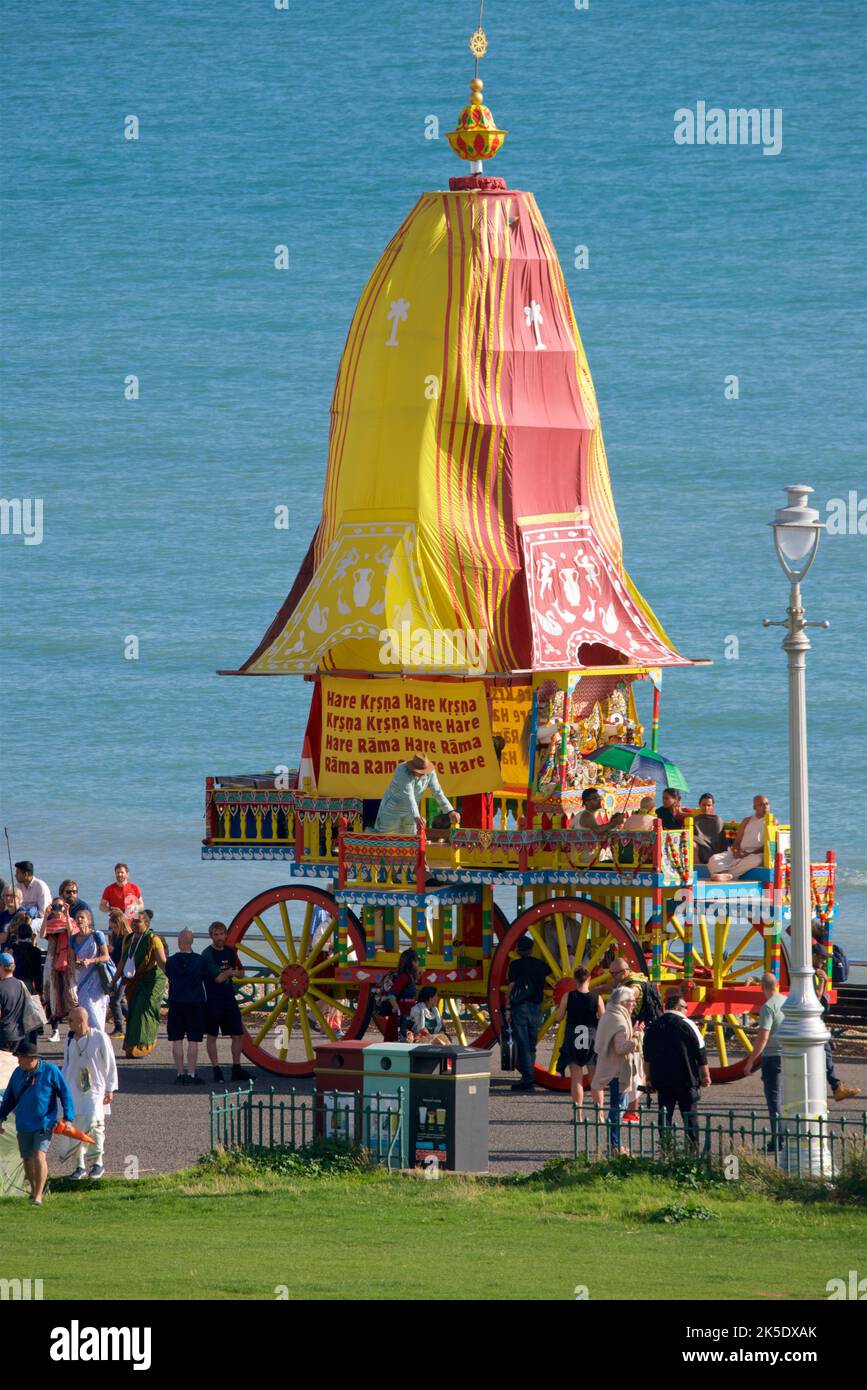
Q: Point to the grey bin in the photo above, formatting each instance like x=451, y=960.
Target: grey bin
x=448, y=1108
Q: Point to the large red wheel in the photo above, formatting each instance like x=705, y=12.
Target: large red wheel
x=566, y=932
x=288, y=937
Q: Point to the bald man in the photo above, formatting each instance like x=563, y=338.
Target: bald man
x=186, y=976
x=90, y=1071
x=747, y=848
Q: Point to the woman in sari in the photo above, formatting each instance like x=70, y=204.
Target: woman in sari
x=118, y=932
x=60, y=990
x=92, y=967
x=142, y=964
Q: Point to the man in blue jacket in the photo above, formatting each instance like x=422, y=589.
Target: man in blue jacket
x=35, y=1090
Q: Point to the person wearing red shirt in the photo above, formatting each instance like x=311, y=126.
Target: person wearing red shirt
x=124, y=896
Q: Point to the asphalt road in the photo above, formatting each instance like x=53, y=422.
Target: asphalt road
x=163, y=1127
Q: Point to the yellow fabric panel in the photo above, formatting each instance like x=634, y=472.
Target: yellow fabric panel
x=369, y=727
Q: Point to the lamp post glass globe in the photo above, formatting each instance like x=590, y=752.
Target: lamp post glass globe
x=796, y=534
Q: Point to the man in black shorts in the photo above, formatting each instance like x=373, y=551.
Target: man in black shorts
x=222, y=1015
x=528, y=977
x=187, y=1003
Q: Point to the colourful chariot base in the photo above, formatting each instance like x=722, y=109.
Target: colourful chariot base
x=315, y=954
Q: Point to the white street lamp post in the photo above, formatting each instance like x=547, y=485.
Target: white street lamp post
x=802, y=1034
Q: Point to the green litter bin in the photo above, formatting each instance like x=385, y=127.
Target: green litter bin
x=387, y=1073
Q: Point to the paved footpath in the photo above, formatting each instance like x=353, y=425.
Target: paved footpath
x=166, y=1127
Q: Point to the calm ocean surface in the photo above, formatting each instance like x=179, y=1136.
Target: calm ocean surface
x=155, y=257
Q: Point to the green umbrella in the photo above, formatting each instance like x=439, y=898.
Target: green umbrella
x=640, y=763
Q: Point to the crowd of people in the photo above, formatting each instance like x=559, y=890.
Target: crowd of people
x=58, y=969
x=632, y=1045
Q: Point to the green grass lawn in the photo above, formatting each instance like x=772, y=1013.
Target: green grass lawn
x=224, y=1233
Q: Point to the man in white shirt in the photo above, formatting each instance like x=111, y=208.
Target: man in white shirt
x=90, y=1071
x=35, y=893
x=747, y=848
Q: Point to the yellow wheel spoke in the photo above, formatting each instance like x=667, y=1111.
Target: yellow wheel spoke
x=721, y=1043
x=739, y=1033
x=320, y=1018
x=291, y=1007
x=259, y=1004
x=720, y=938
x=481, y=1018
x=266, y=1026
x=305, y=931
x=536, y=934
x=582, y=943
x=738, y=951
x=599, y=952
x=246, y=950
x=287, y=932
x=319, y=947
x=278, y=950
x=454, y=1014
x=707, y=954
x=561, y=942
x=602, y=982
x=753, y=968
x=305, y=1029
x=558, y=1043
x=331, y=1001
x=547, y=1025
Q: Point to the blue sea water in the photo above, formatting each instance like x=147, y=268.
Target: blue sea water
x=307, y=127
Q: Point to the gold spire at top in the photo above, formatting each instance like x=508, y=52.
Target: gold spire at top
x=476, y=137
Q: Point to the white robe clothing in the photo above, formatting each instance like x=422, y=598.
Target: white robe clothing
x=90, y=1070
x=752, y=843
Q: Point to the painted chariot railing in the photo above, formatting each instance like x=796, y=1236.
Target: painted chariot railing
x=667, y=854
x=381, y=861
x=248, y=810
x=254, y=811
x=317, y=826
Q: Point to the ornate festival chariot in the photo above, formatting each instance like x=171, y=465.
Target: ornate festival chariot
x=465, y=595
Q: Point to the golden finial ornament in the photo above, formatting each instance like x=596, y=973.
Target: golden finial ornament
x=477, y=136
x=478, y=44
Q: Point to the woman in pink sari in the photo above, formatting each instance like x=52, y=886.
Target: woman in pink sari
x=59, y=983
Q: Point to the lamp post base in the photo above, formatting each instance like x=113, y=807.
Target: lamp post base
x=804, y=1087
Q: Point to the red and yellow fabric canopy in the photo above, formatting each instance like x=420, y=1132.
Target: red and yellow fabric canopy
x=467, y=487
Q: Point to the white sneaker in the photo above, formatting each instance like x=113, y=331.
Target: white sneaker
x=54, y=1037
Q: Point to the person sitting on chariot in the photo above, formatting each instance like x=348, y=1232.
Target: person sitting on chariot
x=708, y=836
x=397, y=996
x=425, y=1019
x=671, y=813
x=583, y=855
x=644, y=819
x=399, y=812
x=746, y=849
